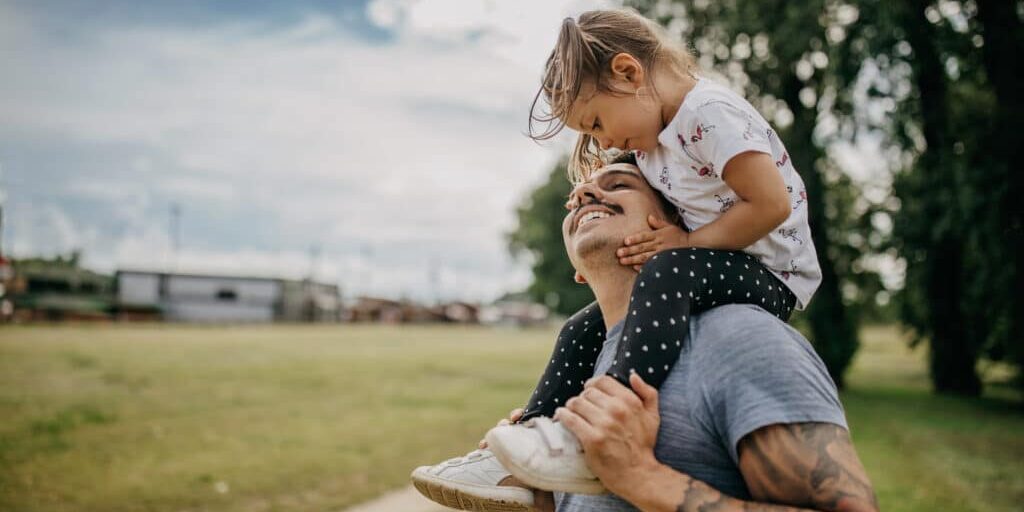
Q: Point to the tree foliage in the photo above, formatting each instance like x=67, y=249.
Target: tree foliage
x=945, y=71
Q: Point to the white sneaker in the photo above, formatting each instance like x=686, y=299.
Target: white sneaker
x=544, y=454
x=471, y=483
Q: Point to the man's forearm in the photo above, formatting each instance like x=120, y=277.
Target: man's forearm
x=667, y=490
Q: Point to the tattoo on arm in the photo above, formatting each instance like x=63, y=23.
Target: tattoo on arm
x=811, y=466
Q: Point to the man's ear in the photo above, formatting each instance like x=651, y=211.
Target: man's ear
x=579, y=278
x=625, y=67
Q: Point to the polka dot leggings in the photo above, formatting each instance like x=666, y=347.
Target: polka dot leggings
x=671, y=286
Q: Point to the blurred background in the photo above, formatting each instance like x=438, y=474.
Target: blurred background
x=272, y=255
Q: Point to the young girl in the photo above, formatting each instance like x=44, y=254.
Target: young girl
x=618, y=80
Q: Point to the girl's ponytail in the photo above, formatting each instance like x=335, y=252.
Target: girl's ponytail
x=562, y=78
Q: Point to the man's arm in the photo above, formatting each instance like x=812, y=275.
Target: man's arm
x=807, y=464
x=799, y=466
x=810, y=465
x=665, y=489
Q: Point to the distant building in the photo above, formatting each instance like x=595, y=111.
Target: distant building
x=377, y=310
x=213, y=298
x=514, y=312
x=388, y=311
x=459, y=312
x=54, y=289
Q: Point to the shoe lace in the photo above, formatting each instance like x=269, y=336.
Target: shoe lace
x=473, y=455
x=546, y=428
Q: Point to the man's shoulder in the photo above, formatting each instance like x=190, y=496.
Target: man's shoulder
x=743, y=326
x=754, y=370
x=742, y=351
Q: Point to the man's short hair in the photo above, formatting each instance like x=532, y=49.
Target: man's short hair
x=624, y=157
x=670, y=210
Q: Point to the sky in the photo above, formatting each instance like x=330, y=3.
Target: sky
x=379, y=144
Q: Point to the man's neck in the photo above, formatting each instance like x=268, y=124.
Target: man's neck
x=612, y=284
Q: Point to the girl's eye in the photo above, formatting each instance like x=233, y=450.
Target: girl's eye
x=619, y=185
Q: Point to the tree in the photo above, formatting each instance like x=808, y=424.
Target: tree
x=1002, y=46
x=953, y=124
x=936, y=228
x=538, y=236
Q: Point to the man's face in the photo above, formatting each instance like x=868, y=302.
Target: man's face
x=603, y=211
x=616, y=120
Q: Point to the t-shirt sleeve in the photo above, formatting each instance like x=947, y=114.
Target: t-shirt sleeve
x=765, y=373
x=719, y=131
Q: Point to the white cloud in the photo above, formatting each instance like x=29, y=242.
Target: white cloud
x=414, y=146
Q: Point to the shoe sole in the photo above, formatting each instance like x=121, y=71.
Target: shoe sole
x=464, y=496
x=526, y=475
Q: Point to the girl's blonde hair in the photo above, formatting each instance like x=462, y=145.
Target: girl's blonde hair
x=583, y=55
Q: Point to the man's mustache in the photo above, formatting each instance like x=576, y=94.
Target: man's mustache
x=611, y=206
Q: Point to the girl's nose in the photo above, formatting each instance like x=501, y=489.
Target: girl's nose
x=604, y=142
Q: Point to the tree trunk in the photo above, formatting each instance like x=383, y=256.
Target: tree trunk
x=953, y=356
x=1002, y=50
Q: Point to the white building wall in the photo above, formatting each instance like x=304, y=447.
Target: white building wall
x=207, y=288
x=192, y=311
x=138, y=289
x=190, y=298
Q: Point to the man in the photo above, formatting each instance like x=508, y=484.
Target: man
x=748, y=418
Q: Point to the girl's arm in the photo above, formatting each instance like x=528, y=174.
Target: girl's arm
x=763, y=205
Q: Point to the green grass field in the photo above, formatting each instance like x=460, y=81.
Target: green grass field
x=316, y=418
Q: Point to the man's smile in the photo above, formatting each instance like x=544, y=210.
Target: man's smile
x=593, y=211
x=592, y=215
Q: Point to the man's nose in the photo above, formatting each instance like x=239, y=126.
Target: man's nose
x=587, y=193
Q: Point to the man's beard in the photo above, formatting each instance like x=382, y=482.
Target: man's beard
x=593, y=249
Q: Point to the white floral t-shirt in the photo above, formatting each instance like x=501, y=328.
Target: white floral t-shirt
x=713, y=125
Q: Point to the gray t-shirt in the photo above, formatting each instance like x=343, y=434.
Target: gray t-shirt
x=740, y=369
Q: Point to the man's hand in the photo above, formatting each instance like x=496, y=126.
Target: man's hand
x=639, y=248
x=617, y=428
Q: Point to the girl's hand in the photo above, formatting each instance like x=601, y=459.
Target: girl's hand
x=513, y=416
x=639, y=248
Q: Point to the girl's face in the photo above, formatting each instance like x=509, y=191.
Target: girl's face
x=626, y=121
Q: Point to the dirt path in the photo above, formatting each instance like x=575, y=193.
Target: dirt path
x=402, y=500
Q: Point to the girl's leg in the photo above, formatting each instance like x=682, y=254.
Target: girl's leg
x=677, y=283
x=571, y=363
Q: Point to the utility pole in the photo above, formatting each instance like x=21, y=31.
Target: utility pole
x=314, y=258
x=367, y=281
x=3, y=201
x=434, y=277
x=174, y=235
